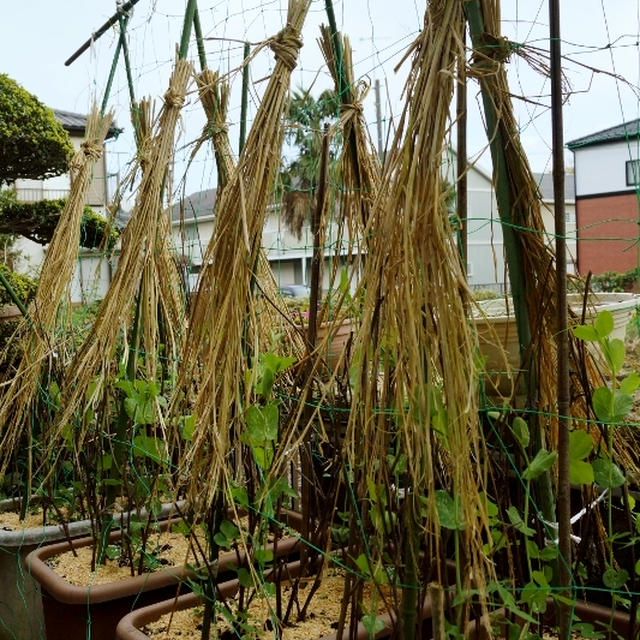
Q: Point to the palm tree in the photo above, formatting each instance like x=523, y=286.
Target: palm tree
x=298, y=178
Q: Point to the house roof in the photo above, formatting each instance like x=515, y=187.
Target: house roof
x=196, y=205
x=77, y=123
x=545, y=185
x=622, y=131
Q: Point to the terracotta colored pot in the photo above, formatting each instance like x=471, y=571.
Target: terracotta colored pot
x=72, y=611
x=129, y=628
x=337, y=337
x=613, y=624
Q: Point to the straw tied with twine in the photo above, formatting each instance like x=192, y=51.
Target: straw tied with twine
x=224, y=332
x=36, y=336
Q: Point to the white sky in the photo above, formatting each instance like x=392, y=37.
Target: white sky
x=37, y=36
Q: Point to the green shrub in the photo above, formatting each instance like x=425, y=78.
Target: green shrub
x=615, y=281
x=24, y=286
x=33, y=144
x=37, y=221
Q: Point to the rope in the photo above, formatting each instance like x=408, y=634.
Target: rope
x=285, y=45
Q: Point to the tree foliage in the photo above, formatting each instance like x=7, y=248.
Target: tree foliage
x=305, y=121
x=33, y=144
x=37, y=221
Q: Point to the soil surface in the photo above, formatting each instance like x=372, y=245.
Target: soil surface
x=166, y=549
x=187, y=625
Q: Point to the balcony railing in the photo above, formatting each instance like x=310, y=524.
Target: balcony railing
x=36, y=194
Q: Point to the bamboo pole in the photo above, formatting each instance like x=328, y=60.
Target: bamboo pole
x=245, y=97
x=101, y=31
x=562, y=335
x=513, y=246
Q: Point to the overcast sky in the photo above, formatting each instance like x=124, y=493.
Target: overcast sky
x=600, y=40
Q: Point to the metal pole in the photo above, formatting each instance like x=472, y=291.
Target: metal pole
x=245, y=97
x=562, y=335
x=107, y=25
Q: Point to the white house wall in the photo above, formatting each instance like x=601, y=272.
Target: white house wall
x=594, y=176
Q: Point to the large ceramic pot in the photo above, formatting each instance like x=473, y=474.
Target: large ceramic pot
x=498, y=337
x=73, y=612
x=20, y=602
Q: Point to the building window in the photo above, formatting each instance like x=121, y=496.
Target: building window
x=633, y=173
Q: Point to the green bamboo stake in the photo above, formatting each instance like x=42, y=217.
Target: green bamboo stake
x=199, y=39
x=245, y=97
x=189, y=17
x=112, y=72
x=513, y=248
x=101, y=31
x=13, y=295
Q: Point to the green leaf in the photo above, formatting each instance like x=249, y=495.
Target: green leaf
x=520, y=430
x=151, y=447
x=263, y=555
x=637, y=567
x=229, y=529
x=449, y=513
x=536, y=596
x=517, y=521
x=244, y=577
x=372, y=623
x=602, y=403
x=363, y=564
x=586, y=332
x=614, y=353
x=615, y=579
x=607, y=474
x=580, y=444
x=604, y=323
x=622, y=405
x=222, y=541
x=188, y=427
x=542, y=462
x=630, y=383
x=580, y=472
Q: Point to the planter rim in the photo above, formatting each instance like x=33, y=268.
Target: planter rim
x=36, y=536
x=494, y=309
x=129, y=627
x=69, y=593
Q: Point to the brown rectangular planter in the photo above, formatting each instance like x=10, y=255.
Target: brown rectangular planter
x=72, y=612
x=129, y=628
x=613, y=624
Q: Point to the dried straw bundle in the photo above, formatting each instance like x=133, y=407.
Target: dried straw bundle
x=140, y=241
x=214, y=96
x=38, y=342
x=415, y=390
x=162, y=305
x=538, y=257
x=271, y=308
x=222, y=326
x=358, y=164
